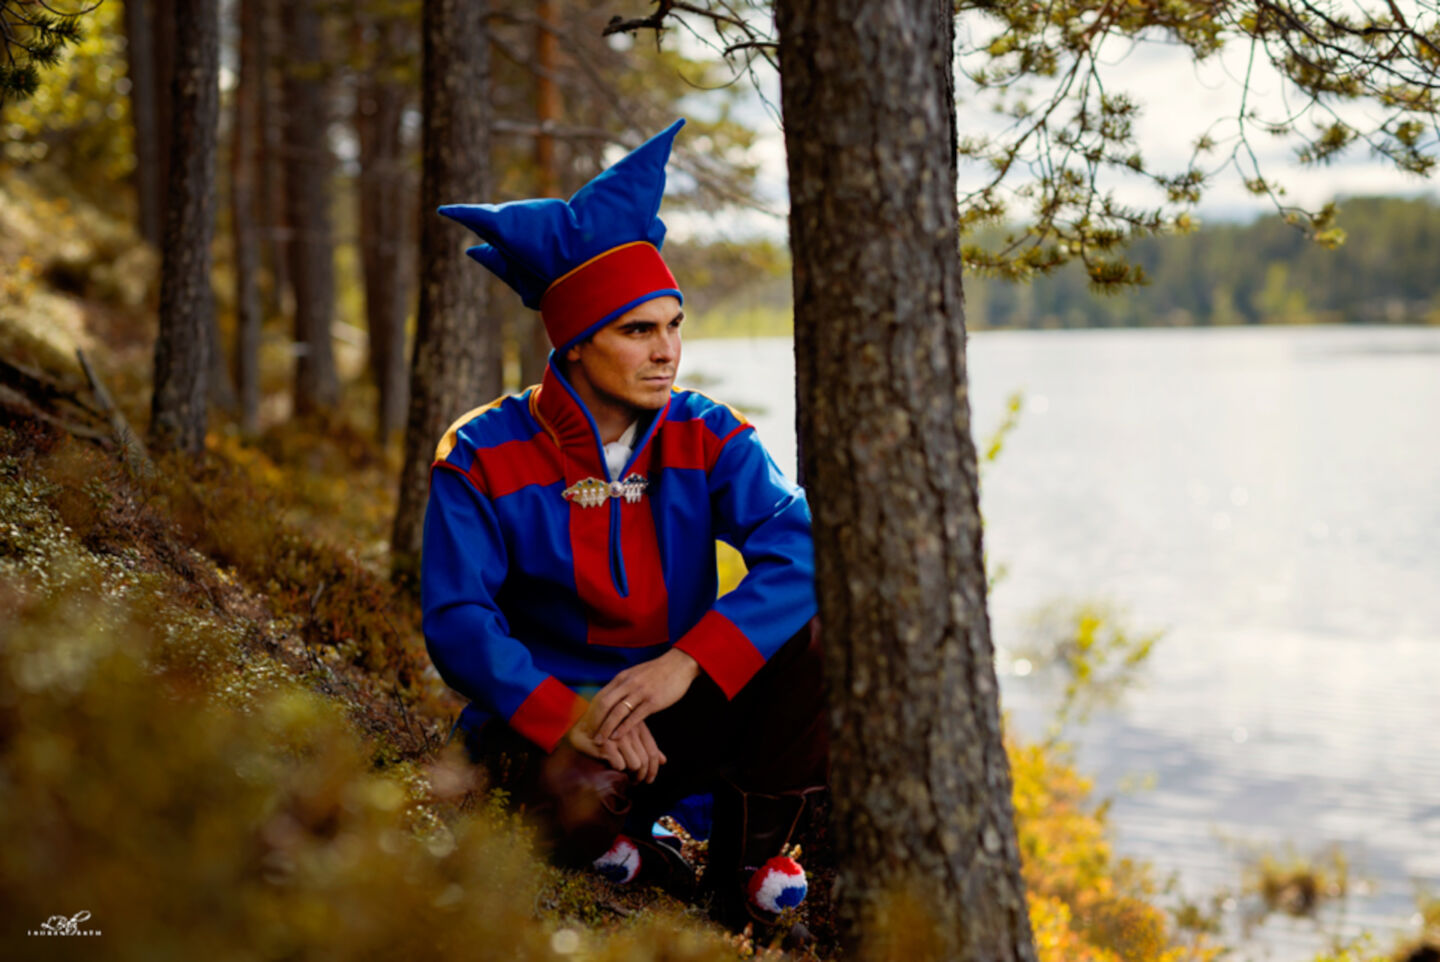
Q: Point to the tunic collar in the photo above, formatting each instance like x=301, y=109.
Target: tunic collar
x=564, y=416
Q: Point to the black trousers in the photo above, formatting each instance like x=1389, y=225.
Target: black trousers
x=771, y=739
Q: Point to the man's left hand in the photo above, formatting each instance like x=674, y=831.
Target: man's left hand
x=639, y=692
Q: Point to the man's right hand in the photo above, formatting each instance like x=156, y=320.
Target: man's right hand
x=635, y=752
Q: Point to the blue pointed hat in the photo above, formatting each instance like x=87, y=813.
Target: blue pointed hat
x=582, y=262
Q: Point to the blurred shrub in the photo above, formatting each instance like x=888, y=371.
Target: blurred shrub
x=1291, y=883
x=57, y=245
x=1084, y=903
x=193, y=828
x=159, y=770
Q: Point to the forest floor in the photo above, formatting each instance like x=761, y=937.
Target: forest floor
x=209, y=683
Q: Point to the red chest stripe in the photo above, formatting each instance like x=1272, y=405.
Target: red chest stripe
x=643, y=618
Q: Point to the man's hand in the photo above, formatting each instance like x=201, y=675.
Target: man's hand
x=622, y=706
x=637, y=753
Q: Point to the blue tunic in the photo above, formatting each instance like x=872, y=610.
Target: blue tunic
x=529, y=595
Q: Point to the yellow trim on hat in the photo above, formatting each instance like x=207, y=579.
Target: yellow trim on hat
x=599, y=256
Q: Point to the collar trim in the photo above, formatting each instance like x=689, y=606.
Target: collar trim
x=569, y=422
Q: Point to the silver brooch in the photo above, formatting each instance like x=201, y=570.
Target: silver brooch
x=592, y=492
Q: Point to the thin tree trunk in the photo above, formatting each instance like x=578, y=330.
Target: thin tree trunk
x=533, y=344
x=457, y=354
x=924, y=824
x=222, y=388
x=163, y=25
x=187, y=305
x=140, y=56
x=307, y=203
x=243, y=158
x=269, y=182
x=380, y=102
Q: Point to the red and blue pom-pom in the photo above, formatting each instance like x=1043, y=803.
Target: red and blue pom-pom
x=622, y=863
x=777, y=885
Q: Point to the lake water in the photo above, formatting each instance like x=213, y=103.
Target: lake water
x=1270, y=499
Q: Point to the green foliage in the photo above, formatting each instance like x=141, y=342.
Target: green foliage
x=1095, y=655
x=1048, y=69
x=76, y=120
x=1263, y=272
x=1008, y=423
x=33, y=37
x=1073, y=131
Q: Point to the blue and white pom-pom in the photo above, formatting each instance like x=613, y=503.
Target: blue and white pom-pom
x=777, y=885
x=621, y=864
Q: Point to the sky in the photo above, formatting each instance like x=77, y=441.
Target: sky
x=1179, y=100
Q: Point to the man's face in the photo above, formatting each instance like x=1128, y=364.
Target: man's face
x=630, y=364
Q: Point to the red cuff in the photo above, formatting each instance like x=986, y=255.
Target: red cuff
x=727, y=656
x=548, y=713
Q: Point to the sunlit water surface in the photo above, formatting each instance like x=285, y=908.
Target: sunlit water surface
x=1270, y=498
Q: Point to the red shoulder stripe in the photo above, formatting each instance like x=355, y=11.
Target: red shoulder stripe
x=691, y=444
x=508, y=467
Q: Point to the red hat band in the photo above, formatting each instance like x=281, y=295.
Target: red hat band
x=592, y=295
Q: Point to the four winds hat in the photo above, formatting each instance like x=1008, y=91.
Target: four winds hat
x=582, y=262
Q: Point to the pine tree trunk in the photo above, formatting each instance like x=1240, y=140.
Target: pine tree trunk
x=274, y=250
x=140, y=58
x=163, y=29
x=187, y=305
x=924, y=823
x=222, y=388
x=380, y=102
x=307, y=203
x=532, y=342
x=243, y=161
x=456, y=364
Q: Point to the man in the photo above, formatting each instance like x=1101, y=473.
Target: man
x=570, y=552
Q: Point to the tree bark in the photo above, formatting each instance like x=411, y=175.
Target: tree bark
x=163, y=30
x=140, y=58
x=274, y=232
x=243, y=162
x=307, y=202
x=456, y=363
x=924, y=823
x=532, y=343
x=187, y=305
x=379, y=105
